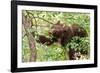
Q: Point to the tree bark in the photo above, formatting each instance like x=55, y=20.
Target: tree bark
x=27, y=25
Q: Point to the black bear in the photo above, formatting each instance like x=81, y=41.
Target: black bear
x=62, y=33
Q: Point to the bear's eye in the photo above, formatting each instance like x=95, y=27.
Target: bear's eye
x=79, y=30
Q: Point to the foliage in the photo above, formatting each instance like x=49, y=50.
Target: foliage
x=79, y=44
x=51, y=53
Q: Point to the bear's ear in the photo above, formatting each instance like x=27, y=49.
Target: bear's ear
x=58, y=22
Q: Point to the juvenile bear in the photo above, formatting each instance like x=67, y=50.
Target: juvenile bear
x=62, y=33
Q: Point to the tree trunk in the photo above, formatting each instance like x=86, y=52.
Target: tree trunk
x=27, y=25
x=32, y=47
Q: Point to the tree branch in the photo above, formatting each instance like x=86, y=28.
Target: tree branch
x=38, y=17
